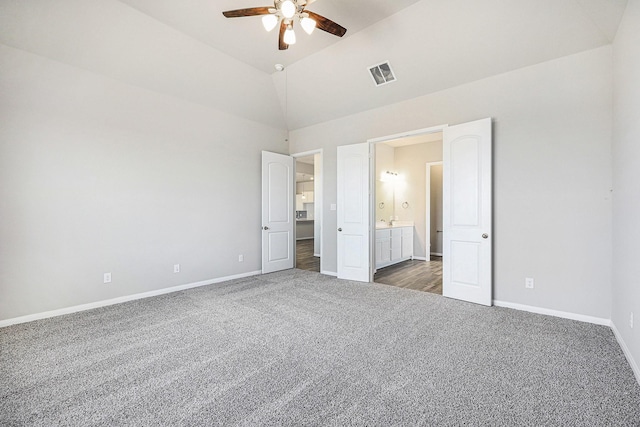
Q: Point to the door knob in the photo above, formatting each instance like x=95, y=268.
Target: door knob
x=265, y=228
x=339, y=229
x=485, y=236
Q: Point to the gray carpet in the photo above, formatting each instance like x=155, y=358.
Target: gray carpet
x=299, y=348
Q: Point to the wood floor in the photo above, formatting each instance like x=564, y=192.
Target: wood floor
x=304, y=256
x=413, y=274
x=423, y=276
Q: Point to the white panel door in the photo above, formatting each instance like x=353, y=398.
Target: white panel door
x=353, y=212
x=277, y=212
x=466, y=260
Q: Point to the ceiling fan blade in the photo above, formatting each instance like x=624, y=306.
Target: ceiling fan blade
x=281, y=44
x=326, y=24
x=252, y=11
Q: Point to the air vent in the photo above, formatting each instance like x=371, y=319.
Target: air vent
x=382, y=74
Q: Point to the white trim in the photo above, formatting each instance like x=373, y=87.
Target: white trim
x=307, y=153
x=626, y=351
x=316, y=255
x=119, y=300
x=329, y=273
x=436, y=254
x=432, y=129
x=420, y=258
x=555, y=313
x=304, y=238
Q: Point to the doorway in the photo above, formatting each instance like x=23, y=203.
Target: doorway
x=467, y=213
x=408, y=211
x=308, y=210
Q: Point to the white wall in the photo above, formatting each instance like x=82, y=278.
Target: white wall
x=99, y=176
x=113, y=39
x=411, y=163
x=626, y=181
x=552, y=173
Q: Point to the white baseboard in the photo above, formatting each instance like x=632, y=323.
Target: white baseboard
x=436, y=253
x=627, y=352
x=329, y=273
x=304, y=238
x=420, y=258
x=118, y=300
x=555, y=313
x=316, y=255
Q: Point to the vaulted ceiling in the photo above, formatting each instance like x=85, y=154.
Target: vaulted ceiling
x=189, y=50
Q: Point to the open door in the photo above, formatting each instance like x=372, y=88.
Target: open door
x=353, y=212
x=467, y=198
x=277, y=212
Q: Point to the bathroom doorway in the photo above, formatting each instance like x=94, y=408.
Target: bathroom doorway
x=408, y=212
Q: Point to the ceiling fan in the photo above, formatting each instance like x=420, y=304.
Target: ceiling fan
x=284, y=12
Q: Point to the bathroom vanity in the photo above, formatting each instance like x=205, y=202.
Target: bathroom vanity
x=394, y=244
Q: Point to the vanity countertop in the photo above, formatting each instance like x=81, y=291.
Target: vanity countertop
x=396, y=224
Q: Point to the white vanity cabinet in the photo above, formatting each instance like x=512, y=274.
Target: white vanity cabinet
x=396, y=244
x=407, y=242
x=393, y=245
x=383, y=247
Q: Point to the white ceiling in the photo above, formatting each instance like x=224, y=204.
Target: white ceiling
x=187, y=49
x=246, y=39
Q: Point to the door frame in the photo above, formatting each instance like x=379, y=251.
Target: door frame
x=372, y=183
x=317, y=199
x=428, y=207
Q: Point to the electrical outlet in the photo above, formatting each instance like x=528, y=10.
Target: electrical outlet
x=240, y=258
x=176, y=268
x=631, y=320
x=528, y=283
x=107, y=277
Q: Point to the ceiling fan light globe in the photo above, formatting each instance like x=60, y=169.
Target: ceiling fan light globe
x=288, y=9
x=308, y=25
x=289, y=36
x=269, y=22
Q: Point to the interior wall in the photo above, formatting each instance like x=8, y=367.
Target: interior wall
x=552, y=173
x=626, y=179
x=384, y=188
x=99, y=176
x=317, y=205
x=411, y=163
x=436, y=209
